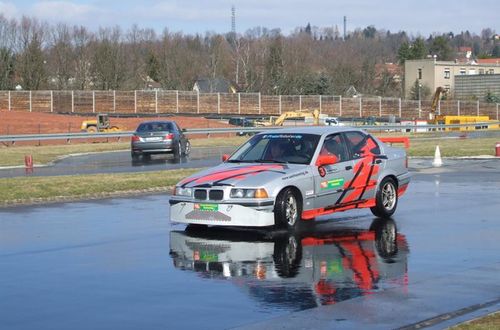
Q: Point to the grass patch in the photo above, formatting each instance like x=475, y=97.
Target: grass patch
x=453, y=147
x=491, y=321
x=14, y=155
x=35, y=189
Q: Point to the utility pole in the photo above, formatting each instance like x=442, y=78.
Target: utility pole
x=345, y=27
x=237, y=49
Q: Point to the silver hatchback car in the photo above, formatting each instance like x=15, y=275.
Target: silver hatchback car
x=159, y=137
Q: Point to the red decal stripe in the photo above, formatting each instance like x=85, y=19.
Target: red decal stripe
x=238, y=172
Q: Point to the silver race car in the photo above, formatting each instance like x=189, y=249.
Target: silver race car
x=287, y=175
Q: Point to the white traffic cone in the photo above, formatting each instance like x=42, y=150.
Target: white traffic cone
x=437, y=162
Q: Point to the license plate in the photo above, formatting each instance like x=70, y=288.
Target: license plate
x=207, y=207
x=153, y=139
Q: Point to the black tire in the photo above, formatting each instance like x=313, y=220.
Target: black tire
x=178, y=150
x=92, y=129
x=187, y=148
x=385, y=238
x=135, y=156
x=287, y=256
x=386, y=198
x=287, y=210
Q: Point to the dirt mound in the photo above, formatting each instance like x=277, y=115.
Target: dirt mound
x=19, y=122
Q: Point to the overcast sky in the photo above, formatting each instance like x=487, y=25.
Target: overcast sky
x=418, y=17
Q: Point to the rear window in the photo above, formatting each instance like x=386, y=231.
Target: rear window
x=154, y=127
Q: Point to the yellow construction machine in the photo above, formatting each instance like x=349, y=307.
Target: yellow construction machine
x=447, y=120
x=100, y=124
x=290, y=114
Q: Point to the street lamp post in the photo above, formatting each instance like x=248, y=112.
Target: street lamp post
x=419, y=101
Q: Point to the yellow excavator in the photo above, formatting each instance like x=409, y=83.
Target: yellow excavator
x=100, y=124
x=447, y=120
x=435, y=100
x=290, y=114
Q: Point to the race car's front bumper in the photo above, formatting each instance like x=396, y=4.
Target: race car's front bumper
x=219, y=214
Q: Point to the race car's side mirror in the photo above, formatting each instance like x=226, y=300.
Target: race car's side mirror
x=326, y=160
x=225, y=157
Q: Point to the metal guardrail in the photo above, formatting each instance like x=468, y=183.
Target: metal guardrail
x=208, y=131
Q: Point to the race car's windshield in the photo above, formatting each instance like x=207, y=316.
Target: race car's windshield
x=277, y=148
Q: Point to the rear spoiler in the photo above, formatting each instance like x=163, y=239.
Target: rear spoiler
x=396, y=139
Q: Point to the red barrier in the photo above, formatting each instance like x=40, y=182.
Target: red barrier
x=399, y=139
x=497, y=149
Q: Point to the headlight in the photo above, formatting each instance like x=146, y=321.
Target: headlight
x=248, y=193
x=187, y=192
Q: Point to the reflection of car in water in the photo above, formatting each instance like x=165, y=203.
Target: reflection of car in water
x=297, y=271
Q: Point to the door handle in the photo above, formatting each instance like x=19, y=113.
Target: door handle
x=378, y=161
x=348, y=167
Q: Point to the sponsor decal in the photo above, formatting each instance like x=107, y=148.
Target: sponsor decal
x=294, y=175
x=207, y=207
x=282, y=136
x=321, y=171
x=335, y=267
x=309, y=192
x=330, y=184
x=232, y=173
x=205, y=256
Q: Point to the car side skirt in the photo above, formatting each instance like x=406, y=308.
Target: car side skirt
x=311, y=214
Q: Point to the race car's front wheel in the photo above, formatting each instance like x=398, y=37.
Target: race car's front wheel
x=287, y=255
x=287, y=210
x=386, y=199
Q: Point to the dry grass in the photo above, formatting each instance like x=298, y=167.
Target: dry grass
x=37, y=189
x=453, y=147
x=489, y=322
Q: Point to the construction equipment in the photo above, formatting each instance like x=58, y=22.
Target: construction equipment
x=461, y=119
x=290, y=114
x=435, y=100
x=100, y=124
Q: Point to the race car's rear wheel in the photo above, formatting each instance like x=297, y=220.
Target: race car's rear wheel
x=287, y=210
x=386, y=198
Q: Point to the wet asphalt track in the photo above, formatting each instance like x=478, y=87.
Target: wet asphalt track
x=119, y=263
x=121, y=162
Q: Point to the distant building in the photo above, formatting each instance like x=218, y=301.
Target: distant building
x=394, y=70
x=214, y=85
x=477, y=86
x=432, y=73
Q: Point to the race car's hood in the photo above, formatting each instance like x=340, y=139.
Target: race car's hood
x=242, y=175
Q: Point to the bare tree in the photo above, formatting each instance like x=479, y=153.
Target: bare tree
x=61, y=57
x=108, y=60
x=81, y=40
x=30, y=64
x=7, y=56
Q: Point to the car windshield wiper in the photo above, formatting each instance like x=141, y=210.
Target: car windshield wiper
x=237, y=161
x=270, y=161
